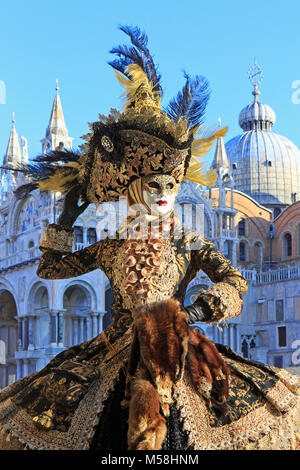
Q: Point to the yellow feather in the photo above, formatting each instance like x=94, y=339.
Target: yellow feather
x=137, y=79
x=200, y=147
x=203, y=145
x=197, y=175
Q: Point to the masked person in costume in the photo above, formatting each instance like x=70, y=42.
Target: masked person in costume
x=149, y=381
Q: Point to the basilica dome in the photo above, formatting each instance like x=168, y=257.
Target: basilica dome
x=264, y=165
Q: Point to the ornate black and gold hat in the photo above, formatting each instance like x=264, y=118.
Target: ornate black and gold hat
x=140, y=140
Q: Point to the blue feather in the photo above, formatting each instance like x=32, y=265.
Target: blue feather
x=190, y=103
x=138, y=54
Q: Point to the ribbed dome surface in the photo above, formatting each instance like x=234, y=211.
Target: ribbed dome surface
x=257, y=115
x=264, y=165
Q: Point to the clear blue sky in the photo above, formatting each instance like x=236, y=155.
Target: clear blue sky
x=70, y=40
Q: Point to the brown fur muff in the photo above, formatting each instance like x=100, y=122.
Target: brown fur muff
x=162, y=345
x=156, y=362
x=162, y=333
x=146, y=426
x=209, y=372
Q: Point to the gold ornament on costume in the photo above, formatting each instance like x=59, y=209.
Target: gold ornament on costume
x=107, y=143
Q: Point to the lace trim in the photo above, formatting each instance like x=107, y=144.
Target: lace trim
x=223, y=301
x=20, y=425
x=279, y=432
x=58, y=239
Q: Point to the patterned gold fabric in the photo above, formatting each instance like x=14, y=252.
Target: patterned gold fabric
x=143, y=155
x=56, y=238
x=59, y=406
x=181, y=257
x=263, y=405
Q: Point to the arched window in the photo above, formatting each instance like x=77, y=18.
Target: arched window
x=227, y=249
x=78, y=234
x=40, y=307
x=91, y=236
x=287, y=244
x=245, y=349
x=242, y=251
x=242, y=227
x=77, y=326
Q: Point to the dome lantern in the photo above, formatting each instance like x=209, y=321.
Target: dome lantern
x=256, y=116
x=264, y=165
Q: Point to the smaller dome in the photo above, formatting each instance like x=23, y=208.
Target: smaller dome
x=257, y=116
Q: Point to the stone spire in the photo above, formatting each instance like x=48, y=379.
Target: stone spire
x=10, y=179
x=220, y=162
x=57, y=136
x=225, y=234
x=13, y=152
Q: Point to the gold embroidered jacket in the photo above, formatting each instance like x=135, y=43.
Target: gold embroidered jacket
x=180, y=261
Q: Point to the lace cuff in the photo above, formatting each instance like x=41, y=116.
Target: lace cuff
x=223, y=300
x=57, y=238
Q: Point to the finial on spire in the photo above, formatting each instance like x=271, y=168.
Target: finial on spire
x=13, y=117
x=57, y=87
x=219, y=121
x=255, y=76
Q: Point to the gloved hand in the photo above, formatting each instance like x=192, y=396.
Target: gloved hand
x=198, y=311
x=71, y=210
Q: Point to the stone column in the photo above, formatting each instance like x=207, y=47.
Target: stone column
x=238, y=339
x=101, y=315
x=20, y=342
x=60, y=329
x=232, y=336
x=216, y=334
x=227, y=222
x=75, y=330
x=95, y=324
x=84, y=236
x=19, y=368
x=89, y=327
x=53, y=328
x=234, y=250
x=25, y=333
x=3, y=376
x=81, y=329
x=25, y=367
x=226, y=335
x=31, y=332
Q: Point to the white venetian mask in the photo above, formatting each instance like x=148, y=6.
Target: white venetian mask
x=159, y=193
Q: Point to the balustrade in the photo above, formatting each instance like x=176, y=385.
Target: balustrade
x=20, y=257
x=267, y=277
